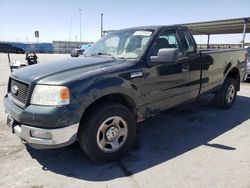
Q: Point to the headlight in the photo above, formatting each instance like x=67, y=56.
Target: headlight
x=47, y=95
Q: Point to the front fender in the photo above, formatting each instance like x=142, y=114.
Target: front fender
x=106, y=86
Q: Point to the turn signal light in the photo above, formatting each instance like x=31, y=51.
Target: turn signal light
x=64, y=94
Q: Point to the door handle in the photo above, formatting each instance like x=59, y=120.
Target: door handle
x=185, y=67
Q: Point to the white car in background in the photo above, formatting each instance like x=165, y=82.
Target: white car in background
x=79, y=51
x=248, y=63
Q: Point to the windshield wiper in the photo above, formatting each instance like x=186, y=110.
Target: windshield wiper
x=105, y=54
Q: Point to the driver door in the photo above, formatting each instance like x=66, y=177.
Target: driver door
x=166, y=84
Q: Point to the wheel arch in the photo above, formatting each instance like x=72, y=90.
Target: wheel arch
x=235, y=74
x=119, y=98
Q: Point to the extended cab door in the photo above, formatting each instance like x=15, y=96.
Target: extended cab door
x=192, y=60
x=166, y=84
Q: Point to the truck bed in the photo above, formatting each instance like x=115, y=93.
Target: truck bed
x=215, y=64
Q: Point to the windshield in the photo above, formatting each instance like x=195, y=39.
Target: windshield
x=126, y=44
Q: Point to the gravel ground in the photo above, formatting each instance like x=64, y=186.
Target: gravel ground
x=193, y=145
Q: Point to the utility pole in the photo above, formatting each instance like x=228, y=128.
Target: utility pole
x=101, y=25
x=80, y=11
x=70, y=28
x=208, y=41
x=244, y=33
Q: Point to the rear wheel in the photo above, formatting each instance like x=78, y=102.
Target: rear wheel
x=108, y=132
x=226, y=96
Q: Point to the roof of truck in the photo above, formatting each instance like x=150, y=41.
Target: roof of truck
x=152, y=27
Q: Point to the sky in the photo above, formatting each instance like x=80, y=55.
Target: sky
x=60, y=19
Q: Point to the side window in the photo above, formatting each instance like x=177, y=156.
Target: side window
x=167, y=39
x=187, y=41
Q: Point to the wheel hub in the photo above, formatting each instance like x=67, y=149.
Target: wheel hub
x=112, y=133
x=230, y=93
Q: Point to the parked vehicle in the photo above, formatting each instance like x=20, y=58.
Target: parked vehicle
x=77, y=52
x=86, y=46
x=126, y=77
x=31, y=58
x=8, y=48
x=248, y=63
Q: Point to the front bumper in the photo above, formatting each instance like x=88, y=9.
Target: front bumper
x=43, y=127
x=44, y=116
x=40, y=138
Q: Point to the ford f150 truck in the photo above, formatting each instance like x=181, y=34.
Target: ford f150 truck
x=125, y=77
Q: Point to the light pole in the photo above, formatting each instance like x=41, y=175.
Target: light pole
x=80, y=11
x=70, y=28
x=101, y=25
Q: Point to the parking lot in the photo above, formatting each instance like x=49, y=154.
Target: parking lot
x=192, y=145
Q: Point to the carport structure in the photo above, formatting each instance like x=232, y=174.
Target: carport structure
x=230, y=26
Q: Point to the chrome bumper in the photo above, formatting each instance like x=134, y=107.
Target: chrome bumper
x=46, y=138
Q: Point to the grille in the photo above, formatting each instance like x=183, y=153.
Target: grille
x=20, y=96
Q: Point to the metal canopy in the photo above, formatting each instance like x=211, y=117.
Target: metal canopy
x=231, y=26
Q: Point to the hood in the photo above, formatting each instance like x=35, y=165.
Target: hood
x=48, y=73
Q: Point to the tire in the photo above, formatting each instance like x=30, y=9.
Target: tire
x=225, y=97
x=108, y=132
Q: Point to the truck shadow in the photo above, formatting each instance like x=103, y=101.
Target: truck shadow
x=159, y=139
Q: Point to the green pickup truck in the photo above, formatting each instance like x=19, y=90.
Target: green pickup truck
x=125, y=77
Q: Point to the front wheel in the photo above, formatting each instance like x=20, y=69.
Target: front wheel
x=108, y=132
x=226, y=96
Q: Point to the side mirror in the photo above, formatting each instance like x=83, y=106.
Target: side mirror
x=165, y=55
